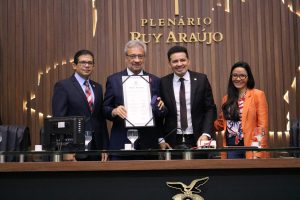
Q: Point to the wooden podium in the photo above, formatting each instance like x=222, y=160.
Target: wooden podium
x=135, y=180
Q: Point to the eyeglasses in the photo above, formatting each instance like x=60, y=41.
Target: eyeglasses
x=133, y=56
x=89, y=63
x=240, y=76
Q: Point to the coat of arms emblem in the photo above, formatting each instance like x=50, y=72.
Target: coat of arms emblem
x=188, y=192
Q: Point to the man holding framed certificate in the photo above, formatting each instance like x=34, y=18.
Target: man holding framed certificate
x=132, y=100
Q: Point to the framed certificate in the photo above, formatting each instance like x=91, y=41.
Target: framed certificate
x=137, y=101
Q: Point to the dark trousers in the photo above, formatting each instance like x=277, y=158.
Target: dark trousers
x=234, y=154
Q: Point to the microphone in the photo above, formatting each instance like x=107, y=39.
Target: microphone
x=183, y=144
x=172, y=131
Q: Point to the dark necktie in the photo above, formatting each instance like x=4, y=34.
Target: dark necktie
x=183, y=112
x=89, y=95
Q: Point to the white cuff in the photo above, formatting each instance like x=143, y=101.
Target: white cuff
x=206, y=134
x=161, y=140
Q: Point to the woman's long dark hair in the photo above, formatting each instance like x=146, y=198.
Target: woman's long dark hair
x=230, y=107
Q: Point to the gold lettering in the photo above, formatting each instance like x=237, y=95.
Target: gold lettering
x=151, y=23
x=207, y=20
x=181, y=22
x=138, y=36
x=199, y=21
x=135, y=35
x=157, y=37
x=190, y=21
x=144, y=38
x=193, y=38
x=161, y=22
x=171, y=22
x=144, y=22
x=182, y=37
x=209, y=37
x=171, y=37
x=204, y=37
x=205, y=34
x=217, y=37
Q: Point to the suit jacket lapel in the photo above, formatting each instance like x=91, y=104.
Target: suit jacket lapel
x=123, y=73
x=145, y=73
x=96, y=93
x=169, y=84
x=193, y=81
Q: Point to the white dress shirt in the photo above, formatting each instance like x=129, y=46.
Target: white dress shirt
x=130, y=73
x=176, y=87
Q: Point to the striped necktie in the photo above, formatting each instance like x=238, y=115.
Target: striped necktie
x=89, y=95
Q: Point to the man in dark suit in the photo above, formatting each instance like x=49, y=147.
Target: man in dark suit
x=196, y=114
x=135, y=52
x=80, y=96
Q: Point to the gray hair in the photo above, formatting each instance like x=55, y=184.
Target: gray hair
x=135, y=43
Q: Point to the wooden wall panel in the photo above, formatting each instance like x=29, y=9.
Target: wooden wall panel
x=38, y=39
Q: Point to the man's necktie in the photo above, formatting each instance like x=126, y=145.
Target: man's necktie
x=89, y=95
x=183, y=112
